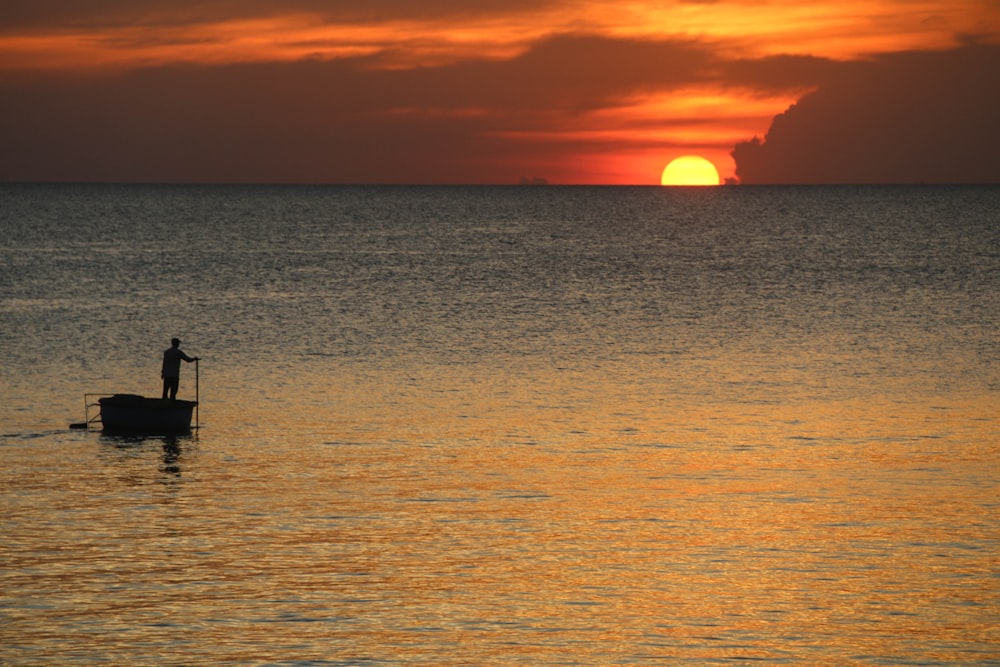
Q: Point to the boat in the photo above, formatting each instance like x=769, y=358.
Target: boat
x=131, y=412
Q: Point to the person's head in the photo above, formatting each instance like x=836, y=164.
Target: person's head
x=176, y=342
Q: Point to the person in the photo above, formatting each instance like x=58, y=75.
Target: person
x=171, y=372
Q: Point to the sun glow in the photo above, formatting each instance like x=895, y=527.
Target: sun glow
x=690, y=170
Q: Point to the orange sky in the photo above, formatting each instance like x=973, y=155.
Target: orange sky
x=392, y=91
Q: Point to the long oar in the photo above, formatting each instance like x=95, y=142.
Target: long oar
x=197, y=400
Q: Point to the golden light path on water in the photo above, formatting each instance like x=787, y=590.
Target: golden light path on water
x=711, y=525
x=623, y=528
x=443, y=441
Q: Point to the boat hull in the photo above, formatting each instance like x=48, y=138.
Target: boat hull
x=128, y=412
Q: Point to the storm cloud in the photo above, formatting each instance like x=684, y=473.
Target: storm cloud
x=916, y=117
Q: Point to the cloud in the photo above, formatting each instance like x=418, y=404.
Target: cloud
x=17, y=15
x=572, y=71
x=566, y=99
x=913, y=117
x=783, y=73
x=346, y=120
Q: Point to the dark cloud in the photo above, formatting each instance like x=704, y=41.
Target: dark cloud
x=775, y=74
x=344, y=120
x=905, y=117
x=570, y=72
x=915, y=117
x=17, y=15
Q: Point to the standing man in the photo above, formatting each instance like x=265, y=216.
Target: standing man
x=171, y=372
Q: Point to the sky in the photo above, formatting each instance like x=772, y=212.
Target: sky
x=484, y=91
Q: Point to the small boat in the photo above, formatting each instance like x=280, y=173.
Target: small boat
x=131, y=412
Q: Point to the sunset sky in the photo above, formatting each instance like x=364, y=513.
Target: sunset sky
x=456, y=91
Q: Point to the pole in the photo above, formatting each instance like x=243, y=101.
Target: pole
x=197, y=398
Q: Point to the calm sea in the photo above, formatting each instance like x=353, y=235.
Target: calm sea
x=504, y=426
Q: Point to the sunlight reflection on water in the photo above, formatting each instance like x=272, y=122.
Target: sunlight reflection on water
x=615, y=550
x=569, y=451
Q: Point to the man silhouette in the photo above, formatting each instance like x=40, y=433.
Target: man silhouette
x=171, y=372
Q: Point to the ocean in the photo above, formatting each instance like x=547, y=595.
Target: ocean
x=526, y=425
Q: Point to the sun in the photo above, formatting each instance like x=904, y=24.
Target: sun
x=690, y=170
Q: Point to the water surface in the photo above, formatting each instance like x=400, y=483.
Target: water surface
x=455, y=426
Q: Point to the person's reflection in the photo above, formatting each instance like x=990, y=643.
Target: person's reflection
x=171, y=456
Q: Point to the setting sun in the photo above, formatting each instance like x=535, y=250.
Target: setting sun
x=690, y=170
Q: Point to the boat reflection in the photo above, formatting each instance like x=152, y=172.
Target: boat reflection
x=129, y=447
